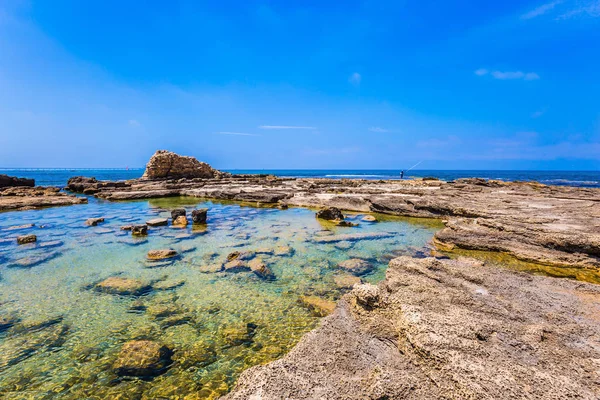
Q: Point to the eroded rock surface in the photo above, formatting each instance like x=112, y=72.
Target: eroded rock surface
x=166, y=164
x=441, y=329
x=15, y=198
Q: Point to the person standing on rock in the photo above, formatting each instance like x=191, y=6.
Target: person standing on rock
x=401, y=174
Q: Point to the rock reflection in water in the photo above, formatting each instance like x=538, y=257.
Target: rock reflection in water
x=93, y=316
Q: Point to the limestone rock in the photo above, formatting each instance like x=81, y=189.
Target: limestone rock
x=369, y=218
x=24, y=239
x=330, y=214
x=157, y=222
x=356, y=266
x=123, y=286
x=142, y=358
x=366, y=295
x=93, y=221
x=199, y=216
x=180, y=222
x=166, y=164
x=161, y=254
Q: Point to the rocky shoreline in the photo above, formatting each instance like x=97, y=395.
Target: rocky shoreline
x=434, y=328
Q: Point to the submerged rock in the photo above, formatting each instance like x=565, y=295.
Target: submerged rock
x=211, y=268
x=32, y=261
x=346, y=281
x=161, y=254
x=168, y=284
x=93, y=221
x=24, y=239
x=142, y=358
x=330, y=214
x=318, y=306
x=157, y=222
x=356, y=266
x=123, y=286
x=261, y=269
x=7, y=321
x=236, y=266
x=199, y=216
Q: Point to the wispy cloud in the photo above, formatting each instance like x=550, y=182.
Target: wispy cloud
x=133, y=122
x=285, y=127
x=541, y=10
x=378, y=129
x=355, y=79
x=583, y=8
x=508, y=75
x=538, y=113
x=236, y=133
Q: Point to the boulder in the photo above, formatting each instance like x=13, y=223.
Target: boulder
x=178, y=212
x=93, y=221
x=157, y=222
x=80, y=183
x=161, y=254
x=11, y=181
x=199, y=216
x=356, y=266
x=123, y=286
x=180, y=222
x=139, y=230
x=142, y=358
x=261, y=269
x=330, y=214
x=24, y=239
x=166, y=164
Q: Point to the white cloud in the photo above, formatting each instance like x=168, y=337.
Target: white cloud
x=236, y=133
x=585, y=8
x=285, y=127
x=378, y=129
x=508, y=75
x=133, y=122
x=355, y=79
x=541, y=10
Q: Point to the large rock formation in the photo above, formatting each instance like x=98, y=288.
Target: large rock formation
x=445, y=329
x=166, y=164
x=10, y=181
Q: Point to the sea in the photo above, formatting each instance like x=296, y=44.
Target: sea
x=588, y=179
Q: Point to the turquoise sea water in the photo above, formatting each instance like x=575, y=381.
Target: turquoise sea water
x=65, y=335
x=59, y=177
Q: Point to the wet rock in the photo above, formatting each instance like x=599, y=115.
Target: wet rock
x=18, y=348
x=157, y=222
x=198, y=354
x=123, y=286
x=366, y=295
x=356, y=266
x=199, y=215
x=142, y=358
x=369, y=218
x=32, y=261
x=161, y=254
x=346, y=224
x=178, y=212
x=127, y=228
x=180, y=222
x=158, y=311
x=330, y=214
x=139, y=230
x=283, y=251
x=239, y=334
x=261, y=269
x=318, y=306
x=346, y=281
x=38, y=324
x=24, y=239
x=165, y=164
x=168, y=284
x=211, y=268
x=236, y=266
x=241, y=255
x=19, y=227
x=94, y=221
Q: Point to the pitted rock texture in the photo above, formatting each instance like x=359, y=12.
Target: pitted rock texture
x=17, y=198
x=166, y=164
x=445, y=329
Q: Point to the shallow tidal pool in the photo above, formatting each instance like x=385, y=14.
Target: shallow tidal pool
x=60, y=336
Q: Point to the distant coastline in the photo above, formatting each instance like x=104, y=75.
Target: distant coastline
x=59, y=176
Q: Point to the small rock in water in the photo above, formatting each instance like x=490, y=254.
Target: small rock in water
x=19, y=227
x=157, y=222
x=161, y=254
x=346, y=281
x=139, y=230
x=369, y=218
x=123, y=286
x=127, y=227
x=330, y=214
x=356, y=266
x=318, y=306
x=236, y=266
x=261, y=269
x=199, y=216
x=344, y=245
x=345, y=223
x=168, y=284
x=180, y=222
x=284, y=251
x=51, y=243
x=178, y=212
x=142, y=358
x=211, y=268
x=93, y=221
x=26, y=239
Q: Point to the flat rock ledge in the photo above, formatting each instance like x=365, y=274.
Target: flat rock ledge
x=445, y=329
x=20, y=198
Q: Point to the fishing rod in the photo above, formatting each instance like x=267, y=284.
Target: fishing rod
x=416, y=165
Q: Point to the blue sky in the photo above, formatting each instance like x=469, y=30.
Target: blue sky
x=307, y=84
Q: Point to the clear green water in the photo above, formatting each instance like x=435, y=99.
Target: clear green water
x=72, y=358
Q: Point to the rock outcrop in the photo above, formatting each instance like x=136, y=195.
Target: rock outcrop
x=15, y=198
x=11, y=181
x=168, y=165
x=445, y=329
